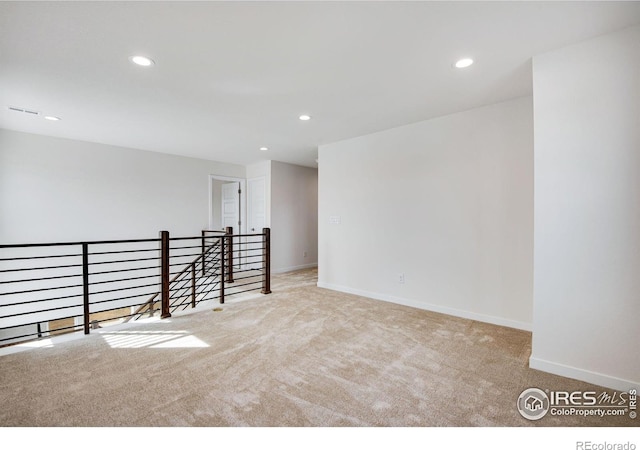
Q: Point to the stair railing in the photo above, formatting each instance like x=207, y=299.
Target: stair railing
x=52, y=288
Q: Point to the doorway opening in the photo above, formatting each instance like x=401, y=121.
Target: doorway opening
x=241, y=204
x=227, y=207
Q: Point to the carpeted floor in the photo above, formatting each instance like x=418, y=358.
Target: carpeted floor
x=302, y=356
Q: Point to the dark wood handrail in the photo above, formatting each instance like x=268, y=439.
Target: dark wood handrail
x=59, y=244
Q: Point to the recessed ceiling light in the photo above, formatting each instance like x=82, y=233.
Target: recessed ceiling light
x=464, y=62
x=264, y=149
x=53, y=118
x=141, y=61
x=305, y=117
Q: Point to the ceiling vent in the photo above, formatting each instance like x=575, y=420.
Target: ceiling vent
x=24, y=110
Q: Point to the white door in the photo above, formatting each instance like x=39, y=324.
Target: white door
x=231, y=206
x=256, y=219
x=257, y=204
x=231, y=218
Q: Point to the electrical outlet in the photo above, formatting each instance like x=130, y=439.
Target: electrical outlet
x=304, y=254
x=400, y=278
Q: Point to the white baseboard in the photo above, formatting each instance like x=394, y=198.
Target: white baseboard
x=430, y=307
x=599, y=379
x=292, y=268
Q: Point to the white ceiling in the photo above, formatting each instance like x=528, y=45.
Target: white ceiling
x=231, y=77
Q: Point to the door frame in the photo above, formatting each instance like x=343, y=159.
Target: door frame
x=243, y=201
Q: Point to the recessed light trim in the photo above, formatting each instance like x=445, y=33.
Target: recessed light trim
x=141, y=60
x=264, y=149
x=305, y=117
x=52, y=118
x=462, y=63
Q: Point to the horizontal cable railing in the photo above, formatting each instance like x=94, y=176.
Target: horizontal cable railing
x=199, y=279
x=54, y=288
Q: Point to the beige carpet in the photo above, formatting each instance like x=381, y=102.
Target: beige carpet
x=302, y=356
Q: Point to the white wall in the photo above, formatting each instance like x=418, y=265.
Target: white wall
x=587, y=211
x=294, y=217
x=55, y=189
x=447, y=202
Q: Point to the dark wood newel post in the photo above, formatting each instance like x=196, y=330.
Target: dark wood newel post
x=85, y=285
x=164, y=273
x=266, y=261
x=203, y=262
x=193, y=285
x=229, y=232
x=222, y=268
